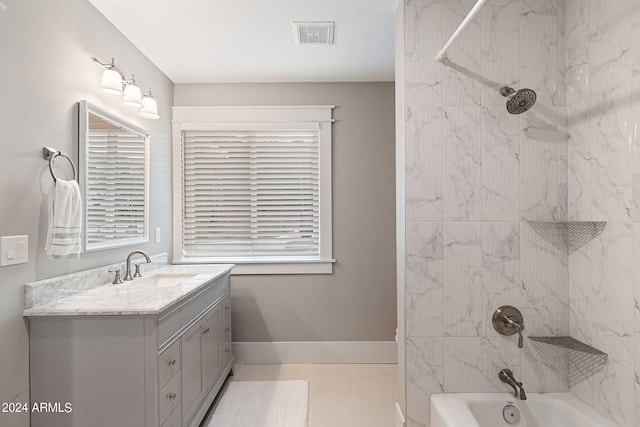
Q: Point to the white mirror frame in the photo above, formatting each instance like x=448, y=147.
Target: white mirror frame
x=84, y=109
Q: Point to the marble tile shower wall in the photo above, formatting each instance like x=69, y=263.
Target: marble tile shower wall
x=603, y=111
x=474, y=175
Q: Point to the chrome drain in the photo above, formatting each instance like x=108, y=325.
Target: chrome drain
x=511, y=414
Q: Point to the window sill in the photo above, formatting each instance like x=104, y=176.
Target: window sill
x=248, y=267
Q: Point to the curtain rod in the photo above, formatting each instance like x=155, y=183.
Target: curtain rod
x=442, y=55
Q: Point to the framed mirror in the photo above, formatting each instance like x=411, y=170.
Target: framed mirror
x=114, y=179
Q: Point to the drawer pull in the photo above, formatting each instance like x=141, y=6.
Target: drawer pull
x=172, y=396
x=172, y=362
x=226, y=350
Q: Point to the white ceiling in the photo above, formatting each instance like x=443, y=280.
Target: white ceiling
x=206, y=41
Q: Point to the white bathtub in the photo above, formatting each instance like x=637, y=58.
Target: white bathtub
x=539, y=410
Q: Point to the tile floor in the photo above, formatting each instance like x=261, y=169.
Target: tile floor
x=339, y=395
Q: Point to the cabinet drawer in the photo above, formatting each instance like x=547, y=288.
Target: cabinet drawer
x=168, y=363
x=174, y=419
x=193, y=309
x=168, y=326
x=169, y=396
x=172, y=322
x=225, y=307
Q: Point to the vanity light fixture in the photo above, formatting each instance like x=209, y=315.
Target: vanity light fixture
x=111, y=78
x=114, y=83
x=111, y=82
x=132, y=94
x=149, y=106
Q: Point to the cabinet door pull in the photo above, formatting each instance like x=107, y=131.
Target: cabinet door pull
x=172, y=396
x=172, y=362
x=206, y=331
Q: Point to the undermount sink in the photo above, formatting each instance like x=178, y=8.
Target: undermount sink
x=163, y=280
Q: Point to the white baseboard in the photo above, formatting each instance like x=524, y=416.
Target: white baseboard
x=316, y=352
x=400, y=421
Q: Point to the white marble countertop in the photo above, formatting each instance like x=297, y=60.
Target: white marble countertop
x=148, y=295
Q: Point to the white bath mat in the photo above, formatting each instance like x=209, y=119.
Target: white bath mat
x=262, y=404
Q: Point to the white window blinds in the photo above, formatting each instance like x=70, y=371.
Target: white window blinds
x=251, y=193
x=115, y=190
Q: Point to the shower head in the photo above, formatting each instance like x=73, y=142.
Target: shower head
x=520, y=101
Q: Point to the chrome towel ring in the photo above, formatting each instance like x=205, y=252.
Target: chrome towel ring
x=51, y=154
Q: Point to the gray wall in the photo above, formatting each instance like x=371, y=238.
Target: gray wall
x=45, y=70
x=358, y=301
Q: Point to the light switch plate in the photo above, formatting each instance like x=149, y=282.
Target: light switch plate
x=14, y=250
x=158, y=234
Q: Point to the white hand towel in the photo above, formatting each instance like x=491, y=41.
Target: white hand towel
x=64, y=239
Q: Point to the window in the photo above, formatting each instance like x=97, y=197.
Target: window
x=254, y=188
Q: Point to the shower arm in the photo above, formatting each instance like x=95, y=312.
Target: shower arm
x=442, y=55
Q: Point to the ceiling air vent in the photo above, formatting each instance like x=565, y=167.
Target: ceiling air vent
x=314, y=32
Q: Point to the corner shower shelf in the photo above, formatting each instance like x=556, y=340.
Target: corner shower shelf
x=571, y=344
x=568, y=236
x=583, y=360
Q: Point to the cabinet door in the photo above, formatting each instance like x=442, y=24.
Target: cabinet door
x=191, y=368
x=210, y=348
x=225, y=340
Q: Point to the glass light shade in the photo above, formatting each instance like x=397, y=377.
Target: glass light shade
x=132, y=96
x=149, y=108
x=111, y=82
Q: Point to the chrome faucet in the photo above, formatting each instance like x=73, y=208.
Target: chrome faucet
x=127, y=275
x=506, y=376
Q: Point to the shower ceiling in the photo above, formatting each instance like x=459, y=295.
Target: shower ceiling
x=200, y=41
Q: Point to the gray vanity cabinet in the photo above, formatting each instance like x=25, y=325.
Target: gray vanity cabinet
x=200, y=347
x=158, y=370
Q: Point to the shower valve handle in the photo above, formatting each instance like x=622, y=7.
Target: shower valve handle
x=507, y=320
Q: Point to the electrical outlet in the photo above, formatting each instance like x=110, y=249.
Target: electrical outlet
x=14, y=250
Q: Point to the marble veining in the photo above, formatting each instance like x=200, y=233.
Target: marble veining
x=500, y=165
x=425, y=375
x=462, y=164
x=609, y=42
x=539, y=39
x=424, y=164
x=475, y=175
x=49, y=290
x=463, y=279
x=425, y=288
x=463, y=365
x=136, y=297
x=460, y=89
x=500, y=42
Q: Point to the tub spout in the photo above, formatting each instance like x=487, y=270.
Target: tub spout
x=506, y=376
